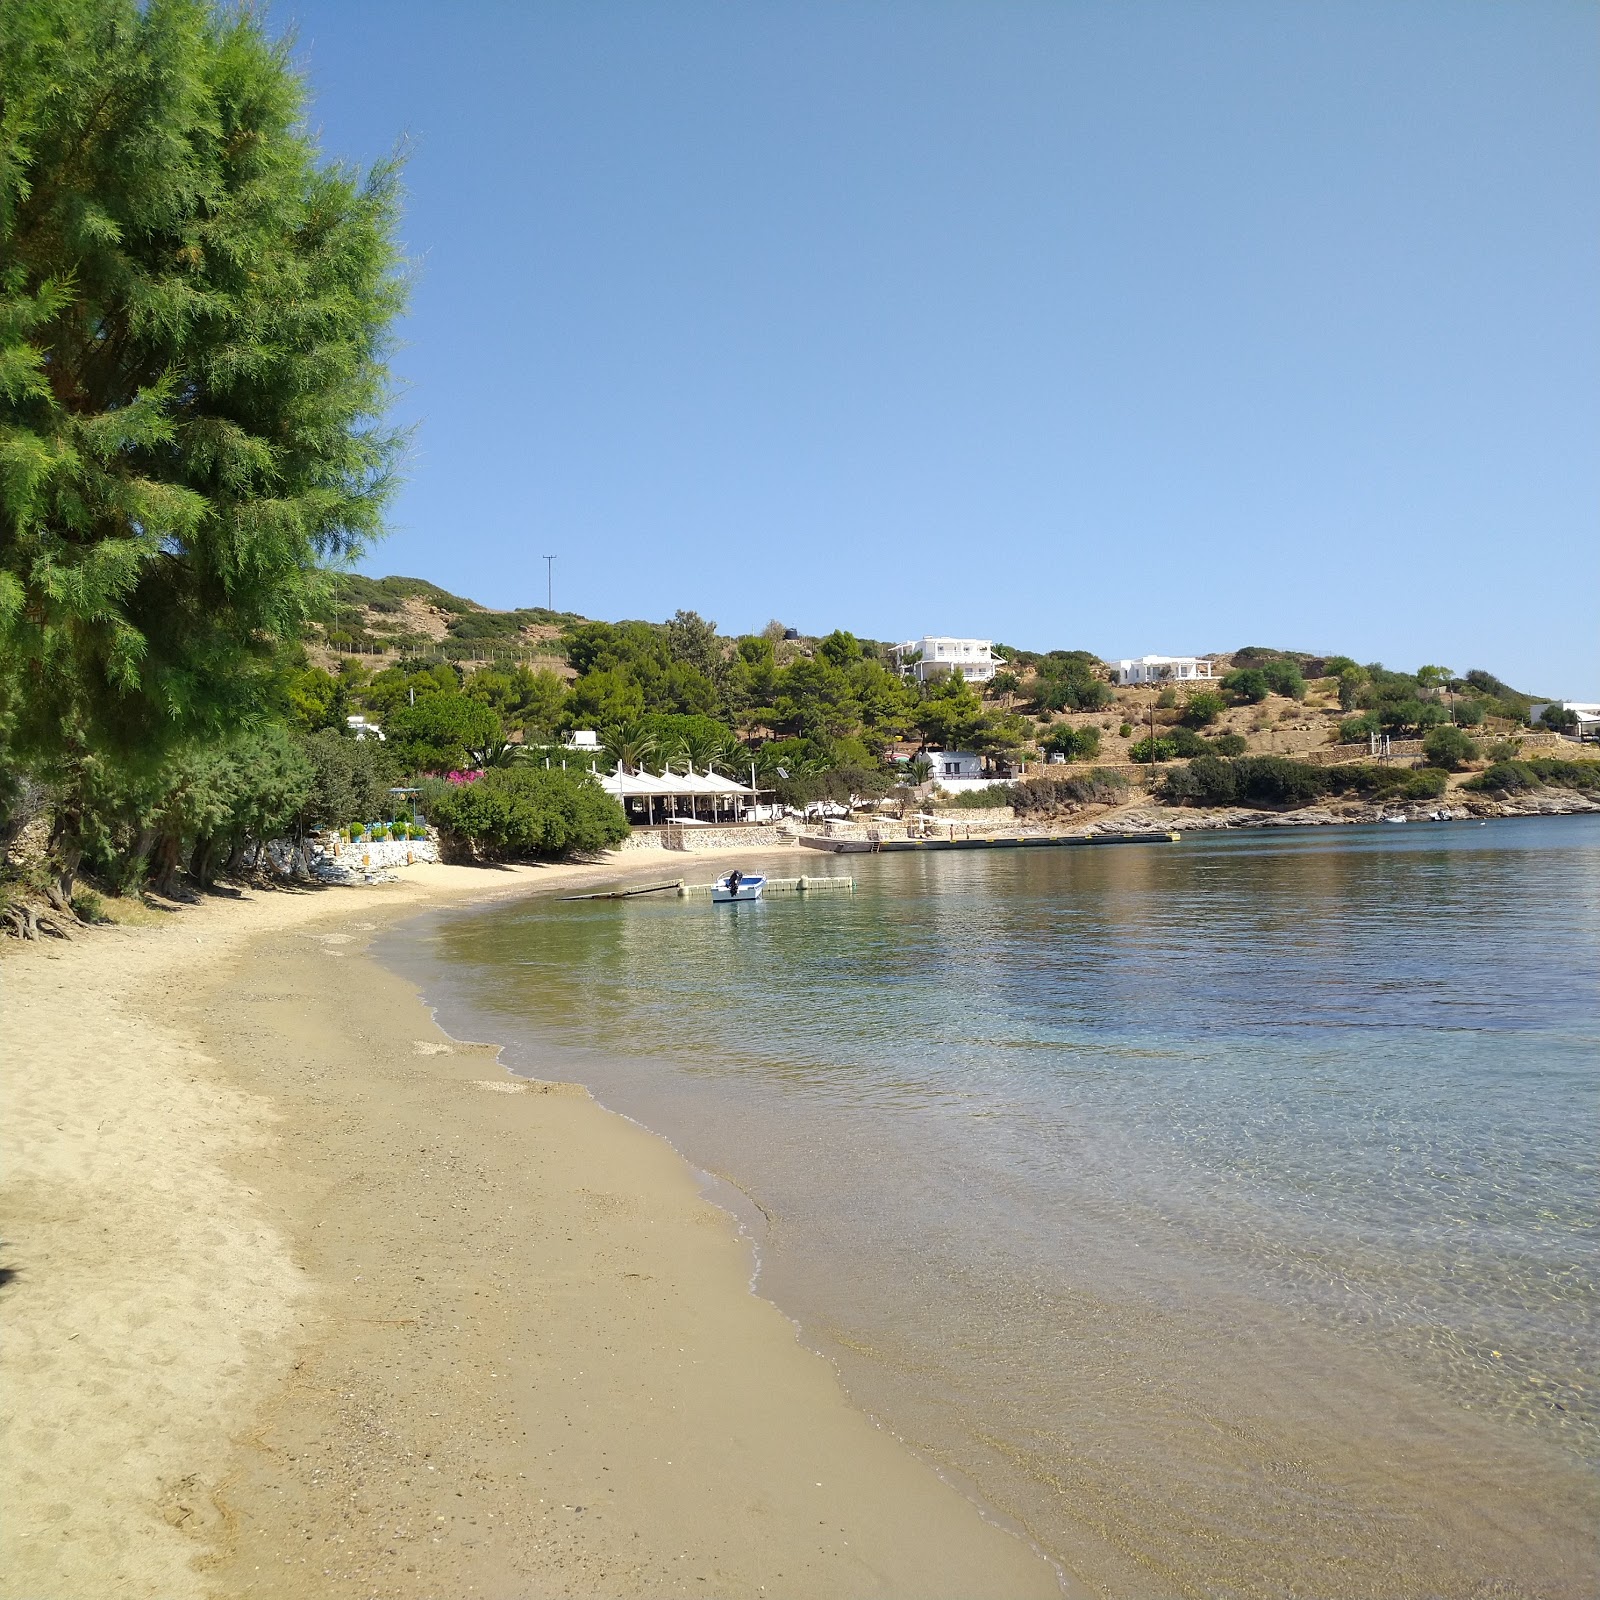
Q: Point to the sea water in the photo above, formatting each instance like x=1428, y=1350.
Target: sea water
x=1221, y=1214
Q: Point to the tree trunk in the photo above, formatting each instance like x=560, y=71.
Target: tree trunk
x=164, y=863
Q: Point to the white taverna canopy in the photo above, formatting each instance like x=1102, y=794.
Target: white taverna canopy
x=668, y=790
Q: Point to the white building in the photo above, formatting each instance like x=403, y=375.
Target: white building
x=955, y=770
x=1161, y=669
x=935, y=654
x=582, y=739
x=1587, y=712
x=360, y=728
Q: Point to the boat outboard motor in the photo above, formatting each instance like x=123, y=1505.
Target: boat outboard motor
x=733, y=883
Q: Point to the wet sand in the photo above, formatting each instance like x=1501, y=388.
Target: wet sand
x=306, y=1299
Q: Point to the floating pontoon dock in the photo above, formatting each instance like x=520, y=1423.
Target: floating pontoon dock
x=1009, y=842
x=801, y=885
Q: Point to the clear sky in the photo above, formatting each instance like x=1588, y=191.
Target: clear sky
x=1124, y=326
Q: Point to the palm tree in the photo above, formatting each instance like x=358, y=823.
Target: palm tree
x=629, y=744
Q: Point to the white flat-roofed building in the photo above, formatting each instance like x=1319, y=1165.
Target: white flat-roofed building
x=1586, y=711
x=936, y=654
x=1161, y=669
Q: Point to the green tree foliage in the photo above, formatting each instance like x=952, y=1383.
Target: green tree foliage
x=1249, y=780
x=1174, y=743
x=444, y=732
x=1057, y=791
x=1247, y=685
x=350, y=781
x=1284, y=677
x=1203, y=707
x=524, y=811
x=1351, y=680
x=1066, y=680
x=1075, y=744
x=1558, y=719
x=192, y=323
x=1449, y=748
x=951, y=714
x=1229, y=744
x=1357, y=730
x=527, y=701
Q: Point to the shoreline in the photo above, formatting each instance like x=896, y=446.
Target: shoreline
x=306, y=1298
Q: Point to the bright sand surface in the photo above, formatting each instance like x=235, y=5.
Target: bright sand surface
x=303, y=1298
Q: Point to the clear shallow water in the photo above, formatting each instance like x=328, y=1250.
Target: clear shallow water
x=1223, y=1213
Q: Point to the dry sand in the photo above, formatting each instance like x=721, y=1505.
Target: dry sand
x=305, y=1299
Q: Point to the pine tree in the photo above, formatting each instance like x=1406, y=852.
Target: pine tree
x=193, y=320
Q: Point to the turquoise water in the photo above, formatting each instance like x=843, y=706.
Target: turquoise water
x=1222, y=1214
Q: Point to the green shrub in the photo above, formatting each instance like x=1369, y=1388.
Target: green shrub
x=1566, y=774
x=1175, y=744
x=1230, y=744
x=1149, y=750
x=1357, y=730
x=88, y=906
x=1203, y=708
x=1285, y=678
x=1424, y=783
x=1469, y=713
x=1448, y=747
x=1248, y=685
x=1205, y=781
x=1052, y=793
x=1209, y=780
x=1076, y=744
x=526, y=811
x=991, y=797
x=1124, y=730
x=1278, y=781
x=1505, y=777
x=1168, y=698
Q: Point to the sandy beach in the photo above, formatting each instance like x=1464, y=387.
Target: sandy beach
x=303, y=1298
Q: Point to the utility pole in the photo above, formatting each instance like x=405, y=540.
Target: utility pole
x=549, y=583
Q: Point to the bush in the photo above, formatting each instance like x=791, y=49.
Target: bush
x=1357, y=730
x=88, y=906
x=1203, y=708
x=1051, y=793
x=1230, y=744
x=1469, y=713
x=989, y=798
x=1206, y=781
x=1076, y=744
x=1449, y=748
x=1248, y=685
x=1168, y=698
x=1278, y=781
x=1175, y=744
x=1285, y=678
x=1505, y=777
x=1124, y=730
x=526, y=811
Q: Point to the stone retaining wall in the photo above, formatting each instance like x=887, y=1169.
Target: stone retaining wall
x=775, y=837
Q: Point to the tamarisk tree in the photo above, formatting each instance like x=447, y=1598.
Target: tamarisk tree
x=193, y=322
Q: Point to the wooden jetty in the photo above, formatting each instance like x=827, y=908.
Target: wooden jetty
x=1006, y=842
x=801, y=885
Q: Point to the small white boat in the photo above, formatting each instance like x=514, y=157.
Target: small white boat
x=737, y=886
x=1392, y=819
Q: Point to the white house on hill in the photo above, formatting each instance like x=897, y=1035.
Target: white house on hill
x=935, y=654
x=1161, y=669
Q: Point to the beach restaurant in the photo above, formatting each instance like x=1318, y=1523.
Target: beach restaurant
x=678, y=796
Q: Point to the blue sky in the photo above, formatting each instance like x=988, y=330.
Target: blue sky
x=1127, y=327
